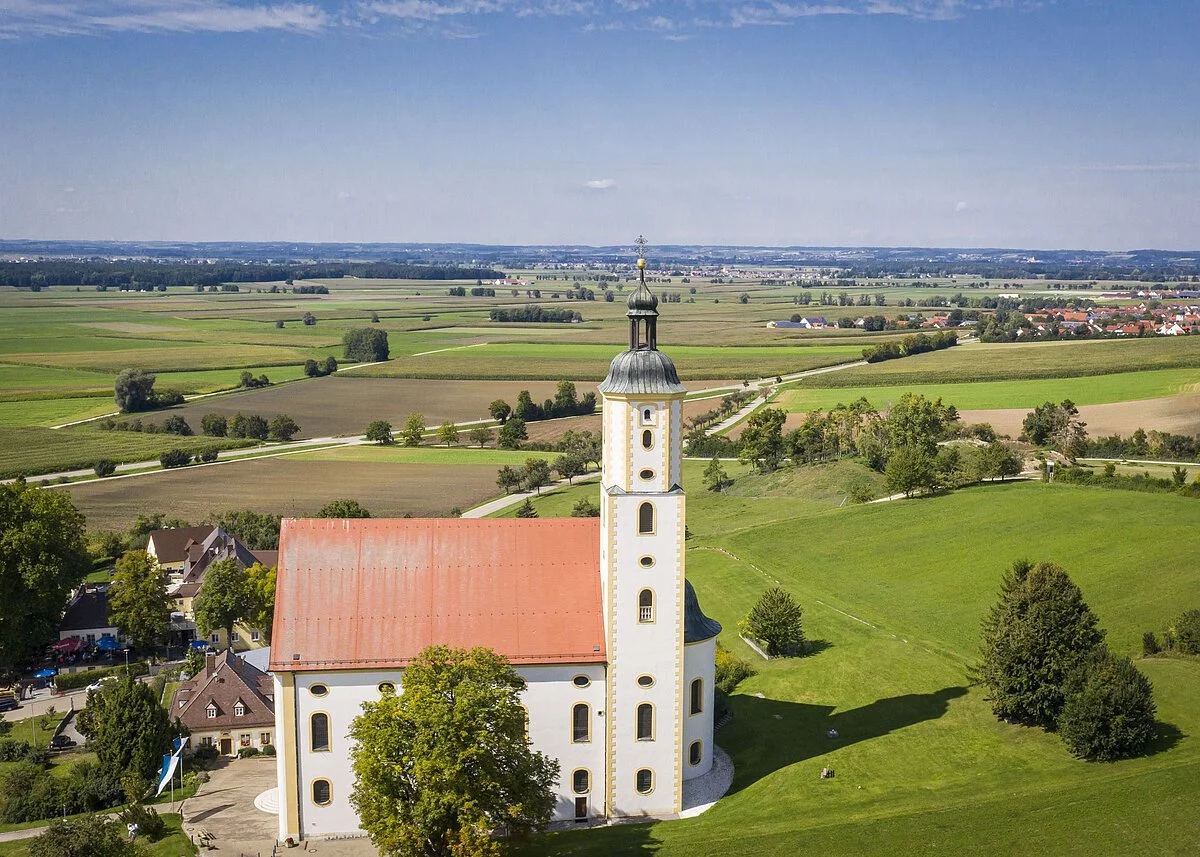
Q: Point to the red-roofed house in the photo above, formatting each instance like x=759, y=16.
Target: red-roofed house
x=594, y=613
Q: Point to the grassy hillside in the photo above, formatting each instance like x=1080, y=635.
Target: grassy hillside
x=895, y=592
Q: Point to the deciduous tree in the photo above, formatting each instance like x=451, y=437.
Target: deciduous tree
x=223, y=598
x=762, y=439
x=134, y=390
x=414, y=428
x=569, y=466
x=500, y=411
x=480, y=436
x=257, y=530
x=512, y=433
x=715, y=477
x=380, y=432
x=260, y=597
x=448, y=433
x=508, y=479
x=282, y=427
x=343, y=508
x=43, y=555
x=447, y=762
x=909, y=469
x=536, y=474
x=137, y=600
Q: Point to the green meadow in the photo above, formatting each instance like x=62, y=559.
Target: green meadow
x=1086, y=390
x=893, y=594
x=29, y=450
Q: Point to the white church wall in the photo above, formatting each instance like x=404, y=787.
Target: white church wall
x=699, y=663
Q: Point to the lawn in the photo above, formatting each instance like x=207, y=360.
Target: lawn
x=895, y=592
x=1090, y=390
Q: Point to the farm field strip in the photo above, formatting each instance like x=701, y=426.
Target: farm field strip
x=1084, y=390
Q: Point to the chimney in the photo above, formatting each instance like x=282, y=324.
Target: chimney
x=210, y=664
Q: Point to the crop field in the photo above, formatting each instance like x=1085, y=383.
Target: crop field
x=1086, y=390
x=1021, y=361
x=1177, y=414
x=28, y=450
x=53, y=412
x=923, y=767
x=287, y=485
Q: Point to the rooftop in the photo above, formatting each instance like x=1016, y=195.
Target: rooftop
x=372, y=593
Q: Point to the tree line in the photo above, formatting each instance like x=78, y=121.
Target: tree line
x=919, y=343
x=535, y=314
x=99, y=272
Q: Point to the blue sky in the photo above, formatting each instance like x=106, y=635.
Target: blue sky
x=977, y=123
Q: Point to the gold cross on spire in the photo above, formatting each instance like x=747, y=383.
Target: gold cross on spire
x=640, y=242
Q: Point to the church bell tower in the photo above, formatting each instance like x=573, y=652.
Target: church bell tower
x=642, y=568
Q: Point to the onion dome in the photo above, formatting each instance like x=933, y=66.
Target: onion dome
x=696, y=626
x=643, y=372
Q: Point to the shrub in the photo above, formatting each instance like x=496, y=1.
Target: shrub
x=268, y=750
x=247, y=752
x=176, y=424
x=74, y=681
x=175, y=458
x=209, y=453
x=204, y=753
x=148, y=821
x=730, y=670
x=14, y=751
x=1150, y=645
x=365, y=344
x=214, y=425
x=1186, y=633
x=1109, y=709
x=104, y=467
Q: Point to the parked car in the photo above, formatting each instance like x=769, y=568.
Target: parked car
x=8, y=702
x=101, y=683
x=61, y=742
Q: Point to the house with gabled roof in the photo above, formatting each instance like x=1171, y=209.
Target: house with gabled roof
x=229, y=705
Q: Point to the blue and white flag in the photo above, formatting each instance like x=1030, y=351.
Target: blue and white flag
x=170, y=765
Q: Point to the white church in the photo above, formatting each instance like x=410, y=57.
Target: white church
x=595, y=614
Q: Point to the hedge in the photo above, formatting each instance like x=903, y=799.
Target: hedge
x=74, y=681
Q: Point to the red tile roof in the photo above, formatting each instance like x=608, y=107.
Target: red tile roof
x=372, y=593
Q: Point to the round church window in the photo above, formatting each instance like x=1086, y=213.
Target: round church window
x=645, y=681
x=647, y=561
x=386, y=687
x=647, y=474
x=318, y=690
x=581, y=681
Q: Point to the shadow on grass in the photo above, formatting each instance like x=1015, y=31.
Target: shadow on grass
x=815, y=647
x=617, y=839
x=1166, y=736
x=767, y=734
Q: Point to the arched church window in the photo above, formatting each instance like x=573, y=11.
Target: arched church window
x=647, y=439
x=645, y=722
x=695, y=753
x=646, y=518
x=319, y=728
x=645, y=606
x=581, y=723
x=697, y=696
x=581, y=781
x=645, y=781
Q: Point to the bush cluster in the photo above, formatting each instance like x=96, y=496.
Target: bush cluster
x=29, y=792
x=919, y=343
x=74, y=681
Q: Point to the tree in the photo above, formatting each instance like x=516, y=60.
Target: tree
x=223, y=598
x=175, y=458
x=566, y=399
x=762, y=439
x=715, y=477
x=309, y=319
x=536, y=474
x=775, y=621
x=917, y=422
x=176, y=424
x=526, y=510
x=499, y=410
x=104, y=467
x=569, y=466
x=43, y=555
x=1038, y=632
x=214, y=425
x=134, y=390
x=380, y=432
x=414, y=428
x=448, y=433
x=365, y=344
x=508, y=479
x=283, y=427
x=137, y=600
x=997, y=460
x=84, y=836
x=480, y=435
x=445, y=763
x=525, y=409
x=257, y=530
x=909, y=469
x=260, y=598
x=343, y=509
x=1057, y=426
x=1108, y=712
x=127, y=727
x=512, y=433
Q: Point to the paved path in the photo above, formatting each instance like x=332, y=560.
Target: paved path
x=485, y=509
x=763, y=384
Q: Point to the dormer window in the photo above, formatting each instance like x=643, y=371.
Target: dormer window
x=239, y=710
x=211, y=710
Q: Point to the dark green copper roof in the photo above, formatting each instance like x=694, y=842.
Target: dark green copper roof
x=696, y=626
x=642, y=371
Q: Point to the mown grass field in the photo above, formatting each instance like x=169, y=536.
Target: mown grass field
x=896, y=592
x=174, y=843
x=1087, y=390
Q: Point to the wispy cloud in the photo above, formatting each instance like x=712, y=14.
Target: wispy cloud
x=59, y=18
x=600, y=184
x=669, y=18
x=1169, y=167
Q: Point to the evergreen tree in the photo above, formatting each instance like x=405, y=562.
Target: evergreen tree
x=526, y=510
x=1033, y=638
x=775, y=621
x=1109, y=708
x=127, y=727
